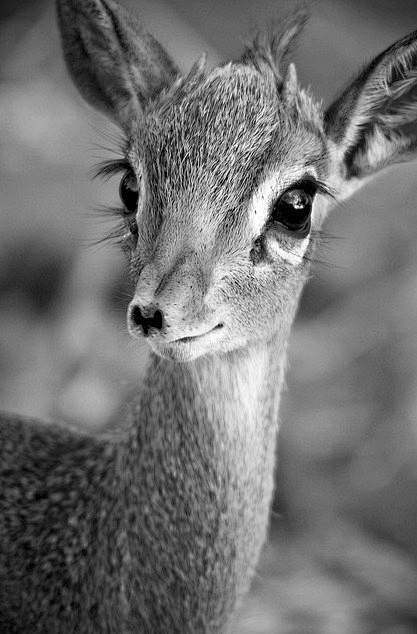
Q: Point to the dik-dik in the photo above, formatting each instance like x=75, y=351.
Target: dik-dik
x=226, y=180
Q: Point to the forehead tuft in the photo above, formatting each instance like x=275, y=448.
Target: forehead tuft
x=222, y=107
x=229, y=83
x=232, y=101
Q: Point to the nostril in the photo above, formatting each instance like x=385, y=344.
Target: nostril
x=137, y=316
x=156, y=320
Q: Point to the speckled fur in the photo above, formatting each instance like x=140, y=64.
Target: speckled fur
x=158, y=528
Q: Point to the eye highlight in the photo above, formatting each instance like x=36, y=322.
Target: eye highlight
x=129, y=192
x=293, y=208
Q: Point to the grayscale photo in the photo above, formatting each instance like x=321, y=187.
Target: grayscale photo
x=208, y=317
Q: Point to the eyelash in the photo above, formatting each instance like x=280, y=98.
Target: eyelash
x=318, y=186
x=106, y=170
x=112, y=167
x=322, y=188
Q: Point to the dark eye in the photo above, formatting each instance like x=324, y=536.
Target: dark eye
x=293, y=209
x=129, y=192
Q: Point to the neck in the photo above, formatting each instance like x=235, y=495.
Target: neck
x=204, y=439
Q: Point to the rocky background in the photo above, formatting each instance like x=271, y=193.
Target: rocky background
x=342, y=554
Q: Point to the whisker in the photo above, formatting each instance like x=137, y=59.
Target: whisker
x=106, y=212
x=105, y=216
x=114, y=237
x=115, y=145
x=323, y=241
x=115, y=137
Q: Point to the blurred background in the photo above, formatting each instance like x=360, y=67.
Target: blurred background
x=342, y=553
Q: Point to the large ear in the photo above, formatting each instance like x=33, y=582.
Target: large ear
x=374, y=121
x=116, y=65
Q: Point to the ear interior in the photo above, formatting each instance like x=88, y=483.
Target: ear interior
x=117, y=66
x=374, y=121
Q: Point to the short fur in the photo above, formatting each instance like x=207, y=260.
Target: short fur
x=158, y=528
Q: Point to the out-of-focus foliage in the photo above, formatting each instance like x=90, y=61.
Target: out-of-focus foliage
x=342, y=558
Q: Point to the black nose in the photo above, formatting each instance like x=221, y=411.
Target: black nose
x=146, y=318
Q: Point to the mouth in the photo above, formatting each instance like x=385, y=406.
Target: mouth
x=187, y=348
x=192, y=338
